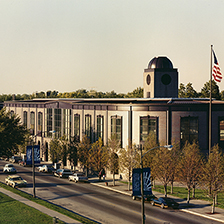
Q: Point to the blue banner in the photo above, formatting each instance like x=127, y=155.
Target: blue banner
x=136, y=182
x=29, y=154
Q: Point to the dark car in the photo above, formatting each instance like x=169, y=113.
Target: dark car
x=146, y=197
x=164, y=202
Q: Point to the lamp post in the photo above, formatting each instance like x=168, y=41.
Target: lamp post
x=33, y=167
x=142, y=180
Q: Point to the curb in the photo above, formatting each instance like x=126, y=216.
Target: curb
x=111, y=189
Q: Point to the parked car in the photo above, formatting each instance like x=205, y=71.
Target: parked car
x=46, y=168
x=22, y=162
x=15, y=159
x=9, y=168
x=78, y=177
x=164, y=202
x=63, y=173
x=15, y=181
x=146, y=197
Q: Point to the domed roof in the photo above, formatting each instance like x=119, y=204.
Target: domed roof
x=160, y=62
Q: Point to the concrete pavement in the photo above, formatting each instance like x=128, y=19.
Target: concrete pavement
x=196, y=207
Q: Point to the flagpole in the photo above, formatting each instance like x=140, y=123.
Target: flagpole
x=210, y=108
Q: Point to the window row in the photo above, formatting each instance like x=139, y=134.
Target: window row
x=58, y=123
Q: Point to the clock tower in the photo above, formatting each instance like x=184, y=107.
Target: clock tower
x=160, y=79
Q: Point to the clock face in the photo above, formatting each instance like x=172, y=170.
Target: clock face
x=166, y=79
x=148, y=79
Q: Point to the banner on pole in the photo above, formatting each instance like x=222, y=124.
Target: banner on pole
x=29, y=154
x=136, y=182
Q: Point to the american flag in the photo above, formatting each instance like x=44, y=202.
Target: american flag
x=216, y=73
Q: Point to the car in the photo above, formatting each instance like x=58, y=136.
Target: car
x=15, y=159
x=164, y=202
x=78, y=177
x=62, y=173
x=15, y=181
x=9, y=168
x=147, y=197
x=22, y=162
x=46, y=168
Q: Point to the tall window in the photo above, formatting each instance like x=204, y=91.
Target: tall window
x=25, y=118
x=40, y=123
x=32, y=122
x=188, y=129
x=77, y=126
x=99, y=131
x=88, y=126
x=67, y=122
x=116, y=128
x=57, y=122
x=221, y=132
x=49, y=122
x=147, y=124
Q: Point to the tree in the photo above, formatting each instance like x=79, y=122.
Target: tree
x=190, y=165
x=164, y=165
x=136, y=93
x=128, y=159
x=147, y=160
x=98, y=155
x=12, y=133
x=84, y=153
x=187, y=92
x=213, y=175
x=73, y=150
x=205, y=91
x=113, y=148
x=55, y=150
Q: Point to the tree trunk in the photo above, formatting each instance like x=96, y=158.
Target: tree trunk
x=213, y=205
x=193, y=192
x=171, y=187
x=188, y=194
x=165, y=190
x=113, y=178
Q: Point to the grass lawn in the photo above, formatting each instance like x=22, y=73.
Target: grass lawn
x=39, y=201
x=181, y=192
x=12, y=211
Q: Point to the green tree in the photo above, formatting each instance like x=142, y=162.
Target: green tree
x=213, y=175
x=187, y=92
x=205, y=91
x=113, y=148
x=147, y=160
x=55, y=150
x=129, y=159
x=98, y=155
x=12, y=133
x=136, y=93
x=73, y=150
x=190, y=166
x=164, y=165
x=84, y=153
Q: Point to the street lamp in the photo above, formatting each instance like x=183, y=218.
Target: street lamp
x=169, y=147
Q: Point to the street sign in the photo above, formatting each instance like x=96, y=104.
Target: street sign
x=136, y=182
x=29, y=154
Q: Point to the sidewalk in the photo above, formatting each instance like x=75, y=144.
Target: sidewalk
x=196, y=207
x=39, y=207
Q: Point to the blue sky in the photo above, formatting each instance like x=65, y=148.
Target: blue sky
x=105, y=45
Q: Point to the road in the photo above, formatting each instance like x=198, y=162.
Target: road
x=99, y=204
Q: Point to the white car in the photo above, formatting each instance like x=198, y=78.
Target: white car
x=63, y=173
x=15, y=181
x=46, y=168
x=9, y=168
x=78, y=177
